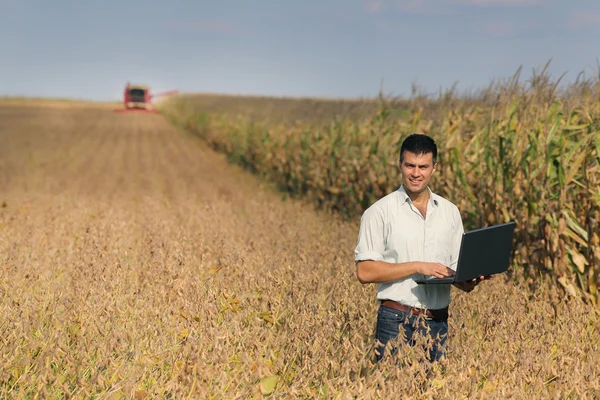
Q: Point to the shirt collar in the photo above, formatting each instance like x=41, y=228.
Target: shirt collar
x=404, y=196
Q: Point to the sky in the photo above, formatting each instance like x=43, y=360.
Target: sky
x=317, y=48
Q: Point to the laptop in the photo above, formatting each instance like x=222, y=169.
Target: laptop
x=483, y=252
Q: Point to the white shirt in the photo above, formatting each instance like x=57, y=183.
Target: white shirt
x=394, y=231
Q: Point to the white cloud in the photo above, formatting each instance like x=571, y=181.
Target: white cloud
x=420, y=6
x=506, y=3
x=216, y=27
x=445, y=7
x=374, y=6
x=580, y=19
x=504, y=29
x=404, y=6
x=498, y=28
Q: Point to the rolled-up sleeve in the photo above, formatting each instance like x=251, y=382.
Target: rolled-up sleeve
x=371, y=240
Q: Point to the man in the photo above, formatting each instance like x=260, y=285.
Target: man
x=410, y=233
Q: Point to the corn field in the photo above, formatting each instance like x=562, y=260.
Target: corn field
x=527, y=152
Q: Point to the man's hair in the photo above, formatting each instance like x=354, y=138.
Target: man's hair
x=419, y=143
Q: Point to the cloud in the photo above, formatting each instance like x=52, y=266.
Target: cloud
x=504, y=29
x=377, y=7
x=446, y=7
x=498, y=3
x=223, y=28
x=374, y=6
x=581, y=19
x=498, y=28
x=421, y=6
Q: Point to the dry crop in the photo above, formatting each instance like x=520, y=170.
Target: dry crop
x=137, y=263
x=21, y=102
x=519, y=151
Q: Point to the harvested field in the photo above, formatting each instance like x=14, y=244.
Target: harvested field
x=21, y=102
x=137, y=263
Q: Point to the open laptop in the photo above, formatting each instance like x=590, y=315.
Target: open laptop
x=483, y=252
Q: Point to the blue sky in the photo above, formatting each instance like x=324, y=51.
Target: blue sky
x=326, y=48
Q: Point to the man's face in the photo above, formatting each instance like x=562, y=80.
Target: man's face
x=416, y=171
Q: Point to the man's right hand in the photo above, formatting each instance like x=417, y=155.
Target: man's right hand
x=435, y=269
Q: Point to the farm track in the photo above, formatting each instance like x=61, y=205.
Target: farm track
x=136, y=261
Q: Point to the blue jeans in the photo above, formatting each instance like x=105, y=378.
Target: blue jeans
x=390, y=321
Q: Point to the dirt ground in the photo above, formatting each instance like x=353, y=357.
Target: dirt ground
x=136, y=262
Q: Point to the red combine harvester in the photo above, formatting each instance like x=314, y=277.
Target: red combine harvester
x=137, y=98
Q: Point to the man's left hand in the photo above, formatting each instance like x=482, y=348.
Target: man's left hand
x=470, y=285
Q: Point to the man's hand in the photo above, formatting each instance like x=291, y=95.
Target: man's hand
x=434, y=269
x=470, y=285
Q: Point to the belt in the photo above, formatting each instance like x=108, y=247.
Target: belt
x=441, y=314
